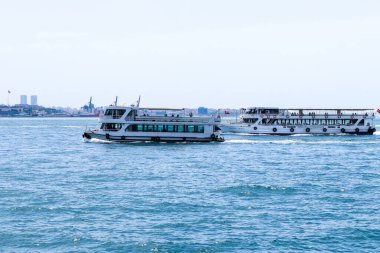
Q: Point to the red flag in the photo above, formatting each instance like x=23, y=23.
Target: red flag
x=378, y=110
x=226, y=112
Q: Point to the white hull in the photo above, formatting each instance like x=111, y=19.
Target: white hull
x=289, y=130
x=150, y=138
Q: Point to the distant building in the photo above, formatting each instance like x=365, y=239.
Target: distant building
x=202, y=111
x=33, y=100
x=23, y=100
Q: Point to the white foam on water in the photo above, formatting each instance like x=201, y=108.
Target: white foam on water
x=285, y=142
x=263, y=142
x=96, y=141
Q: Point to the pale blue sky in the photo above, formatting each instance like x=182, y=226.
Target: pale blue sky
x=191, y=53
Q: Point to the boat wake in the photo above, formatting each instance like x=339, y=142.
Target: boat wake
x=287, y=142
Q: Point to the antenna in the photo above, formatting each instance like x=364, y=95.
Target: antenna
x=116, y=101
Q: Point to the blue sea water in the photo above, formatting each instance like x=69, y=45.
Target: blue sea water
x=250, y=193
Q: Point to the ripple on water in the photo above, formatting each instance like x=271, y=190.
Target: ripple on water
x=250, y=193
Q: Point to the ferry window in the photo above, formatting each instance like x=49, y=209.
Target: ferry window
x=170, y=128
x=159, y=128
x=190, y=129
x=112, y=126
x=339, y=122
x=181, y=128
x=361, y=123
x=120, y=113
x=148, y=128
x=201, y=129
x=102, y=126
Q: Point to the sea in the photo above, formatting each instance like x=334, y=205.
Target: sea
x=248, y=194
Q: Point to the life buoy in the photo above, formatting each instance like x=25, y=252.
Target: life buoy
x=307, y=130
x=255, y=128
x=357, y=130
x=343, y=130
x=274, y=129
x=325, y=130
x=292, y=129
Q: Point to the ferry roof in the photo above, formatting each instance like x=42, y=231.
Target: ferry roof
x=144, y=108
x=161, y=109
x=324, y=109
x=269, y=108
x=310, y=109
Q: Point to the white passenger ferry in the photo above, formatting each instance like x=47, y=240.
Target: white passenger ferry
x=133, y=124
x=275, y=121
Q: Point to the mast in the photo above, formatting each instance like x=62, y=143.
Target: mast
x=138, y=101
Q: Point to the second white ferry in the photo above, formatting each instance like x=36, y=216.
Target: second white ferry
x=134, y=124
x=275, y=121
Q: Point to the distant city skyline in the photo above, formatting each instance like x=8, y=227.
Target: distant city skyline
x=216, y=54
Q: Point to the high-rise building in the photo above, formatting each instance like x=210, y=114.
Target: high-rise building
x=23, y=100
x=33, y=100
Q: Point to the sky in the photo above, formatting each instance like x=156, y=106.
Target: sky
x=220, y=54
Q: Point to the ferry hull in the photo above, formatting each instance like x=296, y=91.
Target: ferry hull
x=309, y=130
x=126, y=139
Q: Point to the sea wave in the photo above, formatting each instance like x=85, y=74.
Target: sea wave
x=252, y=189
